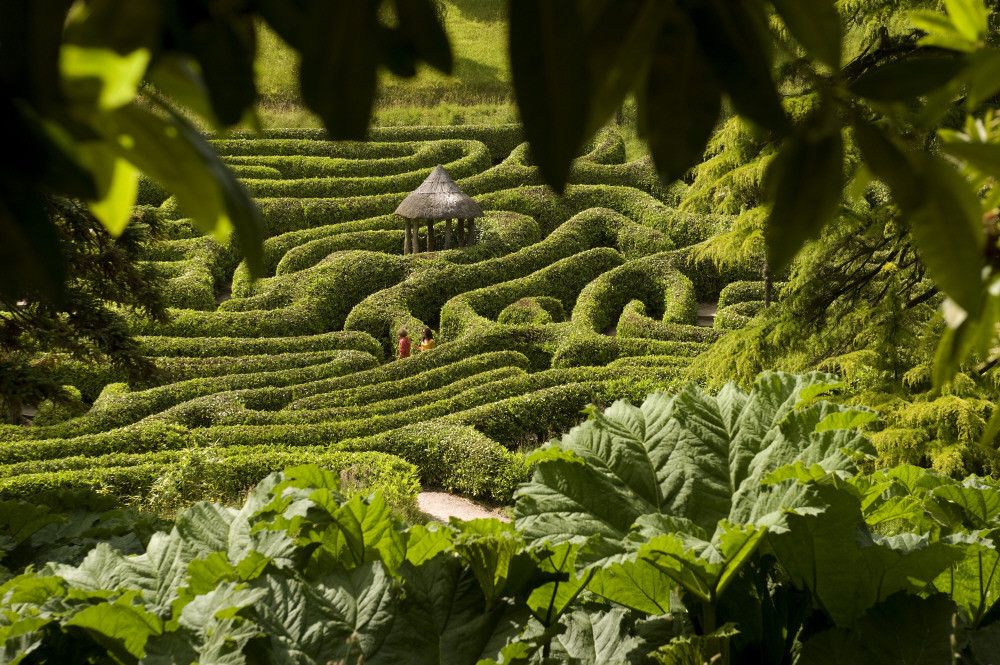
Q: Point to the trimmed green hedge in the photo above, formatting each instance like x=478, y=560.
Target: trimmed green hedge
x=534, y=310
x=737, y=315
x=651, y=279
x=123, y=408
x=588, y=348
x=363, y=159
x=221, y=475
x=743, y=291
x=422, y=296
x=635, y=323
x=379, y=389
x=500, y=139
x=461, y=159
x=312, y=301
x=207, y=347
x=471, y=311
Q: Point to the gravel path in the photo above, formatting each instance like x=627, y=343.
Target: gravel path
x=706, y=313
x=441, y=506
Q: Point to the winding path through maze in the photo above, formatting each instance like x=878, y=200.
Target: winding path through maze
x=561, y=302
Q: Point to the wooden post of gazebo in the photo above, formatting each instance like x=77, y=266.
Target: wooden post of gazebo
x=470, y=232
x=438, y=199
x=407, y=247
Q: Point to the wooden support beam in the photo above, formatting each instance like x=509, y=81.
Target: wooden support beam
x=406, y=238
x=430, y=235
x=470, y=232
x=416, y=237
x=447, y=234
x=460, y=233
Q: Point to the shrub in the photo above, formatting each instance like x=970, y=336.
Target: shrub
x=635, y=323
x=527, y=311
x=737, y=315
x=744, y=291
x=221, y=475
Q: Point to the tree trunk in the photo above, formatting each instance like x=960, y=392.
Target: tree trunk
x=768, y=285
x=430, y=235
x=447, y=234
x=406, y=237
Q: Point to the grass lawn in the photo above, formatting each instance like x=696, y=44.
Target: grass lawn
x=478, y=91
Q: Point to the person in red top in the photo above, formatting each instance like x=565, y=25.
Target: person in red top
x=404, y=344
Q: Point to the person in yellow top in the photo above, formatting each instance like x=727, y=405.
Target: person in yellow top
x=427, y=343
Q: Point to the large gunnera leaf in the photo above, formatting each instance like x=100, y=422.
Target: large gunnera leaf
x=693, y=456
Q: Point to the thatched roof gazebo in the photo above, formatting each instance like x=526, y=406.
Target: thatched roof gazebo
x=438, y=198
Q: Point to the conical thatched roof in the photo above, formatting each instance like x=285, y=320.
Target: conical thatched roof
x=438, y=198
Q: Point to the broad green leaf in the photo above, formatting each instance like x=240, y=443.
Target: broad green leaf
x=974, y=581
x=979, y=501
x=905, y=629
x=361, y=530
x=225, y=47
x=679, y=102
x=908, y=78
x=419, y=22
x=984, y=157
x=701, y=567
x=425, y=541
x=948, y=233
x=806, y=184
x=970, y=17
x=637, y=585
x=443, y=619
x=815, y=25
x=847, y=569
x=551, y=83
x=730, y=34
x=550, y=600
x=214, y=619
x=487, y=547
x=620, y=38
x=985, y=642
x=899, y=514
x=337, y=76
x=941, y=32
x=101, y=77
x=19, y=522
x=846, y=420
x=341, y=617
x=982, y=76
x=177, y=76
x=696, y=649
x=117, y=185
x=595, y=637
x=942, y=210
x=692, y=456
x=122, y=626
x=891, y=164
x=174, y=154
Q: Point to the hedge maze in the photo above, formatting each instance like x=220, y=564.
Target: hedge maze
x=559, y=302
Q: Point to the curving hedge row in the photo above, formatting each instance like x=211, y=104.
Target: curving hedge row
x=117, y=407
x=224, y=475
x=461, y=158
x=562, y=302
